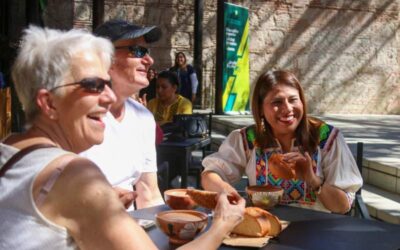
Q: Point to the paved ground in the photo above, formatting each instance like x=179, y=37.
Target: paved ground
x=380, y=133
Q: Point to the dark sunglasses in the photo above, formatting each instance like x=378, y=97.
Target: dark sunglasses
x=90, y=85
x=136, y=50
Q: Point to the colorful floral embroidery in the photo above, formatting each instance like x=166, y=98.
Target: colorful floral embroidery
x=324, y=132
x=296, y=191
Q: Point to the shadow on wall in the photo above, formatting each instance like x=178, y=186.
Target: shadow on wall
x=335, y=47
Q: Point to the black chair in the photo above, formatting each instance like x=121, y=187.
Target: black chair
x=163, y=176
x=359, y=209
x=209, y=123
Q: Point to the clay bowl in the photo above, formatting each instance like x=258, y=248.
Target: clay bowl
x=178, y=199
x=265, y=197
x=181, y=226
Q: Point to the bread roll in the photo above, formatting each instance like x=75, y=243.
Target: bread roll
x=203, y=198
x=206, y=199
x=280, y=168
x=258, y=223
x=276, y=226
x=255, y=223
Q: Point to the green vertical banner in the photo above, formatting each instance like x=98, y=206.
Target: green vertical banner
x=236, y=68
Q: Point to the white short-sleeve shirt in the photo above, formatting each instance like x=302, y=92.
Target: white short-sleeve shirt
x=128, y=148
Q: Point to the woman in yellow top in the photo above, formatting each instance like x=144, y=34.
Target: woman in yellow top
x=168, y=102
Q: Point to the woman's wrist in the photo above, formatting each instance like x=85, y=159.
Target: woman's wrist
x=225, y=224
x=316, y=185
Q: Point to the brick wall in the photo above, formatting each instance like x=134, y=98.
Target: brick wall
x=345, y=53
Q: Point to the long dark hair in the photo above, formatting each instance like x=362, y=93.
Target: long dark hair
x=171, y=77
x=307, y=130
x=176, y=65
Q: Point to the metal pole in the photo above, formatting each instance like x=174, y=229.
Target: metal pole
x=33, y=13
x=98, y=13
x=220, y=57
x=16, y=21
x=198, y=45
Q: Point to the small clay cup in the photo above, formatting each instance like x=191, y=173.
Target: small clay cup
x=178, y=199
x=181, y=226
x=265, y=197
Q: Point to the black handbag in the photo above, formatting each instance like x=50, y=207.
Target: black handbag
x=194, y=125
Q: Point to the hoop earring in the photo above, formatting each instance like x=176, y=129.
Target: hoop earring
x=263, y=124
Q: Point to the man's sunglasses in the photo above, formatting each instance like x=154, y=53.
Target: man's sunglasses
x=136, y=50
x=90, y=85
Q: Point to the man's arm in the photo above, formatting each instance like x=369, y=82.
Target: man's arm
x=125, y=196
x=147, y=190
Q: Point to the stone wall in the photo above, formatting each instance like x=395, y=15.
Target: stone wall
x=346, y=53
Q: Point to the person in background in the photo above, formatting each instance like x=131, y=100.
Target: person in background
x=127, y=155
x=187, y=77
x=327, y=176
x=51, y=198
x=168, y=102
x=148, y=93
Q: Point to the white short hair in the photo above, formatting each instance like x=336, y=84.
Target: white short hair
x=44, y=59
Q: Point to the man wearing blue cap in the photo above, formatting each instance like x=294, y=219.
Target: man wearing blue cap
x=127, y=155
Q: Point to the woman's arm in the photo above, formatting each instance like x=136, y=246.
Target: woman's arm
x=226, y=217
x=195, y=83
x=213, y=182
x=334, y=199
x=83, y=202
x=225, y=166
x=341, y=175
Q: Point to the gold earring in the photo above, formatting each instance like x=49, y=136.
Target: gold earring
x=262, y=124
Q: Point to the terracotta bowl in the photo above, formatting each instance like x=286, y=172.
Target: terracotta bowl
x=181, y=226
x=265, y=197
x=178, y=199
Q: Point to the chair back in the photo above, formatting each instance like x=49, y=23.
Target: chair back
x=359, y=208
x=196, y=167
x=359, y=159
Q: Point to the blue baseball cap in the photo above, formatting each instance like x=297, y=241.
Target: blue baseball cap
x=115, y=30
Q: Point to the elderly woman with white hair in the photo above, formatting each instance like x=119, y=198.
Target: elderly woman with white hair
x=51, y=198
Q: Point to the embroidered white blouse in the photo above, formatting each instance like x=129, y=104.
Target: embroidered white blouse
x=335, y=165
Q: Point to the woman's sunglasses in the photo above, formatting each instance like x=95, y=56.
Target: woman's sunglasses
x=136, y=50
x=90, y=85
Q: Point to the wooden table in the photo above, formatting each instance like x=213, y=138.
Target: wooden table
x=182, y=151
x=309, y=229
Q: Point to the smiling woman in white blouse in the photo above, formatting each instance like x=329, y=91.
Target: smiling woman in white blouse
x=326, y=175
